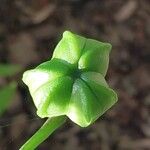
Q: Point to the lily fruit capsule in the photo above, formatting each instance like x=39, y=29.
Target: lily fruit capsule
x=73, y=82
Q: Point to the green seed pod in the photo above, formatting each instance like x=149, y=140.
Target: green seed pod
x=72, y=83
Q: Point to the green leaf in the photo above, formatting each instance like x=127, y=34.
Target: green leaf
x=8, y=70
x=6, y=95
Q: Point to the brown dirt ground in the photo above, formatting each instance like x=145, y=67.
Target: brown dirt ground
x=29, y=31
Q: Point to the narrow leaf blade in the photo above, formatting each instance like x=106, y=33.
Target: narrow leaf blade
x=6, y=94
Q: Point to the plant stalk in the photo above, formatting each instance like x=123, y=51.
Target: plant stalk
x=48, y=128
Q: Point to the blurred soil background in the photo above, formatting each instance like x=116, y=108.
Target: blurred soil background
x=29, y=32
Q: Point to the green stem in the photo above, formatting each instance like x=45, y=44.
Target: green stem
x=48, y=127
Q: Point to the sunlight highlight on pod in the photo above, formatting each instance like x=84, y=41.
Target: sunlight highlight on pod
x=72, y=84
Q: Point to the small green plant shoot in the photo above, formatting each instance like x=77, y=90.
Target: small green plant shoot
x=6, y=94
x=72, y=84
x=7, y=91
